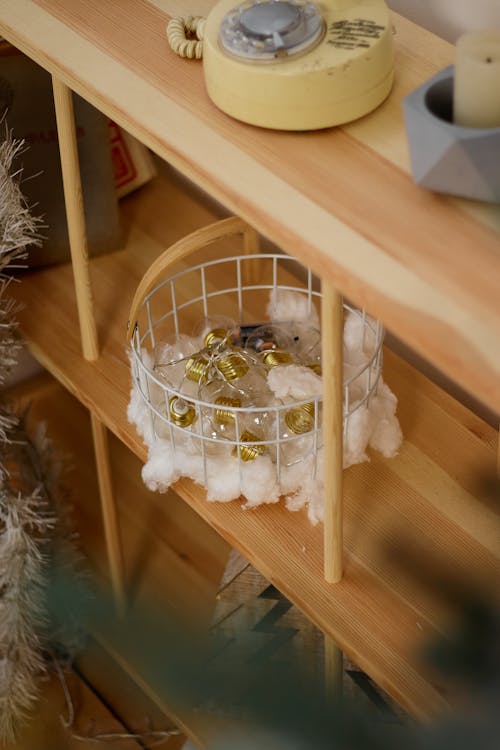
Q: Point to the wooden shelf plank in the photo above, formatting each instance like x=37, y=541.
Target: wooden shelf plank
x=44, y=730
x=427, y=502
x=342, y=200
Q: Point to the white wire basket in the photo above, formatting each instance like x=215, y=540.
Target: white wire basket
x=239, y=287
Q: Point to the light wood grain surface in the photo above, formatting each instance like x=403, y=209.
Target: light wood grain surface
x=44, y=730
x=108, y=508
x=332, y=338
x=122, y=695
x=75, y=217
x=428, y=501
x=342, y=199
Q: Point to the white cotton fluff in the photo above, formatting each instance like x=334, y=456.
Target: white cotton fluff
x=161, y=469
x=386, y=436
x=223, y=479
x=294, y=382
x=302, y=485
x=359, y=428
x=140, y=416
x=259, y=483
x=285, y=305
x=309, y=496
x=295, y=475
x=165, y=465
x=359, y=338
x=226, y=479
x=176, y=348
x=373, y=423
x=356, y=379
x=138, y=412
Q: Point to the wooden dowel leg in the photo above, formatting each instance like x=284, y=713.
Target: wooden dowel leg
x=75, y=216
x=333, y=669
x=108, y=507
x=332, y=342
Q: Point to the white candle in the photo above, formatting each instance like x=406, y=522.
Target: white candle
x=477, y=80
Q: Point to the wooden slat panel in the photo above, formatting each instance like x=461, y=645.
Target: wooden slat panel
x=341, y=199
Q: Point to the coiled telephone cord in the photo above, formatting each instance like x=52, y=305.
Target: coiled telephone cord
x=185, y=36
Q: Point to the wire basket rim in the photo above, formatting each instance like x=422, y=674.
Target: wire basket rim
x=138, y=341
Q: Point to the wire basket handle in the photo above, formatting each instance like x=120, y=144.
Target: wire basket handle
x=185, y=246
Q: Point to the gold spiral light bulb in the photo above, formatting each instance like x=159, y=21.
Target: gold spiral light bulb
x=315, y=367
x=214, y=337
x=197, y=368
x=274, y=357
x=300, y=419
x=232, y=366
x=182, y=412
x=248, y=452
x=226, y=416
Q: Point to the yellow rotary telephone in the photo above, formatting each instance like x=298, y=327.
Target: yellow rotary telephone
x=295, y=64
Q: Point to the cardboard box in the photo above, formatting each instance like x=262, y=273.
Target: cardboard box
x=132, y=162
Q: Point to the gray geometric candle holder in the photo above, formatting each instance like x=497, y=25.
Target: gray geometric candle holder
x=445, y=157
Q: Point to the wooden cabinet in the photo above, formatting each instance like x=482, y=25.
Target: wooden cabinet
x=343, y=202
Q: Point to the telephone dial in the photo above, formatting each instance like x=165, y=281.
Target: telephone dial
x=295, y=64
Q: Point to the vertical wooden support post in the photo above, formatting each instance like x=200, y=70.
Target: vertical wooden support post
x=109, y=515
x=75, y=216
x=334, y=671
x=251, y=247
x=332, y=342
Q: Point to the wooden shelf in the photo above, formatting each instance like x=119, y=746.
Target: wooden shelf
x=410, y=522
x=342, y=200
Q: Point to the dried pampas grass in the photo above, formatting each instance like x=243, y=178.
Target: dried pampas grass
x=24, y=519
